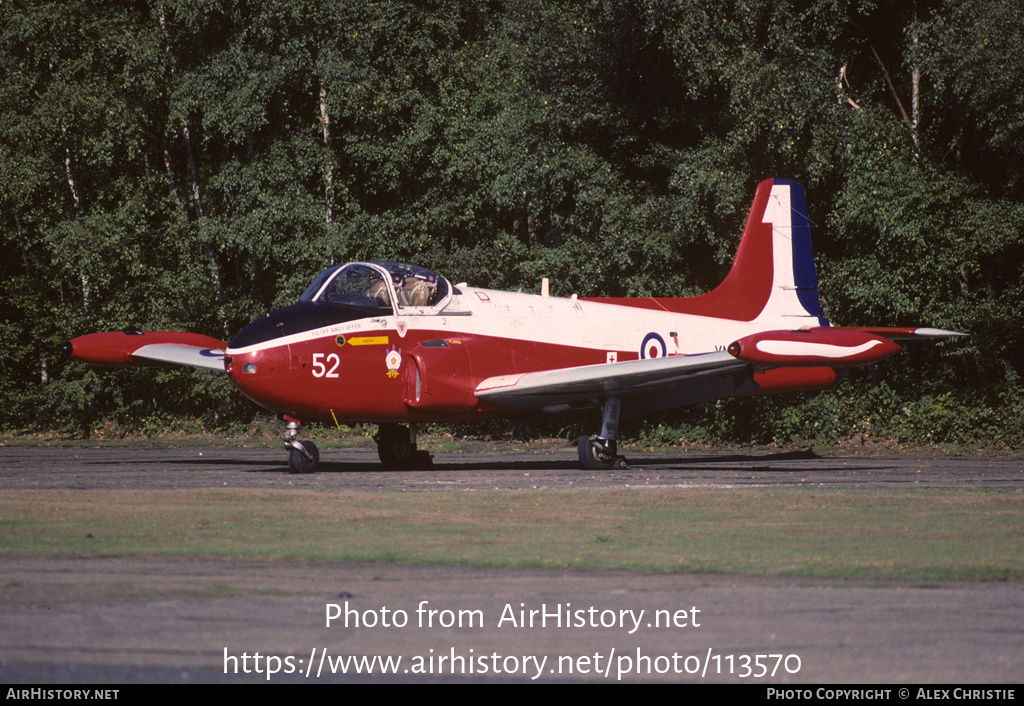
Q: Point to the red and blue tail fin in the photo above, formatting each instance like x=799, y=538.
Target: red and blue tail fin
x=772, y=278
x=773, y=275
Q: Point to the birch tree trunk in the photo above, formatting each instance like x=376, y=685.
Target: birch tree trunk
x=193, y=177
x=325, y=120
x=915, y=83
x=76, y=199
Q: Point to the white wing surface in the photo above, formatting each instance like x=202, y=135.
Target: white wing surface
x=180, y=354
x=642, y=385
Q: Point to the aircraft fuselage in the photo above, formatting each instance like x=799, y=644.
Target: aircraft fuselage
x=383, y=366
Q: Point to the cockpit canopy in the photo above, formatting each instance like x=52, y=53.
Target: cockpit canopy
x=384, y=285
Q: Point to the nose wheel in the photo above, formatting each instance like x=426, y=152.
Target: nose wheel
x=305, y=459
x=303, y=456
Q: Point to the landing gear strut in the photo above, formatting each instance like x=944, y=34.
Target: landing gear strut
x=597, y=452
x=396, y=447
x=303, y=456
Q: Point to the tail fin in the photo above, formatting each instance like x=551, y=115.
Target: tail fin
x=794, y=281
x=772, y=277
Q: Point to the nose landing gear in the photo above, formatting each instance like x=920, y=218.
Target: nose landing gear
x=303, y=456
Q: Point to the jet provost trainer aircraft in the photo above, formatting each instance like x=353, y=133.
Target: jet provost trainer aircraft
x=397, y=345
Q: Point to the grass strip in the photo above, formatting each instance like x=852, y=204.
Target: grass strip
x=879, y=534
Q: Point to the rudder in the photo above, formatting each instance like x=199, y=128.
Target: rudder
x=795, y=281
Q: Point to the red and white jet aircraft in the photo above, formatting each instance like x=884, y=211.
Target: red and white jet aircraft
x=396, y=345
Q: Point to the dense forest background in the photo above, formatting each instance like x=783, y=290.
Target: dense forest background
x=191, y=164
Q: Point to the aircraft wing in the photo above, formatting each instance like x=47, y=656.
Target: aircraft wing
x=179, y=354
x=148, y=348
x=781, y=360
x=641, y=384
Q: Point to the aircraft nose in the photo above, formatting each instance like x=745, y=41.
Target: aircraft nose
x=67, y=348
x=264, y=376
x=243, y=364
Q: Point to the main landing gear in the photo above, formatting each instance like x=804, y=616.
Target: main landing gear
x=396, y=447
x=303, y=456
x=597, y=452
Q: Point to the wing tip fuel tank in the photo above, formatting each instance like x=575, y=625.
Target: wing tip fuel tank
x=834, y=347
x=119, y=348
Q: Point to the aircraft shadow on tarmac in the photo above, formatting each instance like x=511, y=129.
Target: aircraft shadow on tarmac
x=782, y=462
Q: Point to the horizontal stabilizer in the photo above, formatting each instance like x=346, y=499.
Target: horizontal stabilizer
x=907, y=334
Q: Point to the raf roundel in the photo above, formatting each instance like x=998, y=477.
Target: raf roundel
x=653, y=346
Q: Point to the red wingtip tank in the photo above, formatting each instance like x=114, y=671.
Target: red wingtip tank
x=115, y=348
x=824, y=345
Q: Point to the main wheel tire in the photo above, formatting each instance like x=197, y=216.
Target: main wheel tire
x=297, y=461
x=394, y=447
x=592, y=457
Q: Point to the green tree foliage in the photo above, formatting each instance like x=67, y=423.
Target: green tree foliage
x=190, y=164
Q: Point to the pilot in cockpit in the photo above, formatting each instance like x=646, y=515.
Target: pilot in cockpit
x=415, y=291
x=378, y=290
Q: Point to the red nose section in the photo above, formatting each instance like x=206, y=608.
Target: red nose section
x=832, y=347
x=115, y=348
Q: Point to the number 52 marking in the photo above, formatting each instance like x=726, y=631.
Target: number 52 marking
x=321, y=369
